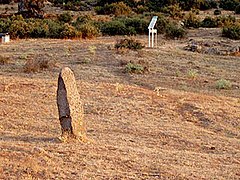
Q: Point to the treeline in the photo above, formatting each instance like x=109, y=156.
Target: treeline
x=111, y=6
x=147, y=5
x=127, y=17
x=153, y=5
x=65, y=26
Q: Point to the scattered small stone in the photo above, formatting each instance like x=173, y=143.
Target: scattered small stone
x=213, y=47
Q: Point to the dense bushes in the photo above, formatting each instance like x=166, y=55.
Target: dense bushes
x=173, y=11
x=5, y=1
x=65, y=27
x=54, y=29
x=74, y=5
x=162, y=24
x=18, y=27
x=124, y=26
x=4, y=25
x=140, y=26
x=232, y=31
x=191, y=20
x=115, y=28
x=237, y=10
x=69, y=31
x=117, y=9
x=209, y=22
x=221, y=21
x=207, y=4
x=65, y=17
x=229, y=4
x=197, y=4
x=173, y=31
x=158, y=5
x=88, y=30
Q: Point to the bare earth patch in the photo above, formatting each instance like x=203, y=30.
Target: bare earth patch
x=188, y=129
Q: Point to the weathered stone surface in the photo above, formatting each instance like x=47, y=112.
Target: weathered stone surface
x=213, y=47
x=70, y=108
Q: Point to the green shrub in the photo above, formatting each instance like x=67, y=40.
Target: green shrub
x=5, y=1
x=114, y=28
x=5, y=24
x=129, y=43
x=134, y=68
x=173, y=31
x=229, y=4
x=66, y=17
x=140, y=9
x=121, y=9
x=88, y=30
x=135, y=25
x=20, y=29
x=117, y=9
x=195, y=11
x=191, y=20
x=232, y=32
x=39, y=30
x=162, y=24
x=189, y=4
x=99, y=9
x=75, y=5
x=83, y=19
x=217, y=12
x=70, y=6
x=157, y=5
x=207, y=4
x=69, y=31
x=54, y=29
x=237, y=10
x=173, y=11
x=209, y=22
x=226, y=20
x=223, y=84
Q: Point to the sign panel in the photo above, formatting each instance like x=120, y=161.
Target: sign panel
x=153, y=22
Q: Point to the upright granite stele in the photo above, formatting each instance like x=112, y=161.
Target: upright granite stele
x=70, y=108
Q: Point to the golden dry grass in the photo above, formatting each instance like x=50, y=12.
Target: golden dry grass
x=135, y=133
x=189, y=132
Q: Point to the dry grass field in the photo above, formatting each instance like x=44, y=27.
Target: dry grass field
x=185, y=129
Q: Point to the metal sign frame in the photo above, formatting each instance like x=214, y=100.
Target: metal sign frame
x=152, y=32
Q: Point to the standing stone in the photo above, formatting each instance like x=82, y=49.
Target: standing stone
x=70, y=108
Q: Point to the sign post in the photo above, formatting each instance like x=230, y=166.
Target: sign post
x=152, y=32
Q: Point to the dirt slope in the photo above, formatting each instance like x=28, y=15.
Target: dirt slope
x=135, y=133
x=186, y=130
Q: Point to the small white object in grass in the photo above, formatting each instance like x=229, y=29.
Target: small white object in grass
x=5, y=38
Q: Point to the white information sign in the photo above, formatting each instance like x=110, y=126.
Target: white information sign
x=153, y=22
x=152, y=32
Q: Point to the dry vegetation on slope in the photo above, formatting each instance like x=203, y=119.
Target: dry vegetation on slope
x=189, y=130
